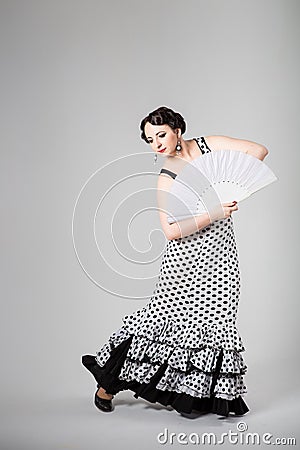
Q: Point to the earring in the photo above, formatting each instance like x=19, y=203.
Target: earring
x=155, y=158
x=178, y=148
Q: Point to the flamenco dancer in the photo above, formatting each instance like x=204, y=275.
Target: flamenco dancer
x=183, y=349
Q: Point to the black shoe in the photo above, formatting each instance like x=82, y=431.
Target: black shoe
x=103, y=404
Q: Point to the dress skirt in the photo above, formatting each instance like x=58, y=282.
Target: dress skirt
x=183, y=349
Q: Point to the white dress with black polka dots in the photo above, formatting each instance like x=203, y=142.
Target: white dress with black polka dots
x=190, y=318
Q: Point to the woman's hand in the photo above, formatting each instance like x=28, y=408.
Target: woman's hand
x=229, y=208
x=224, y=211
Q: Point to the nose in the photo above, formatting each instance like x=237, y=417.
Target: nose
x=158, y=144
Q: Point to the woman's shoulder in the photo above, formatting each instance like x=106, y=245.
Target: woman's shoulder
x=220, y=142
x=213, y=141
x=216, y=142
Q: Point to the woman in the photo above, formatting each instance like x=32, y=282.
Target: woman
x=183, y=348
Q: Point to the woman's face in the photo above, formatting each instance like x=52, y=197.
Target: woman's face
x=162, y=138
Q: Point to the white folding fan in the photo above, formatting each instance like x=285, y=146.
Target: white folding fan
x=215, y=178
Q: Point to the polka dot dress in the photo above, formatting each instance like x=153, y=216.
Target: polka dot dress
x=189, y=324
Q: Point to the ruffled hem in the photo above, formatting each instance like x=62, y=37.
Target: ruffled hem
x=107, y=376
x=169, y=332
x=190, y=369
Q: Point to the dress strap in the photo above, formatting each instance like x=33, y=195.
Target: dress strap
x=172, y=174
x=202, y=144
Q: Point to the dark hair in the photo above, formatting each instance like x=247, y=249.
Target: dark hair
x=163, y=116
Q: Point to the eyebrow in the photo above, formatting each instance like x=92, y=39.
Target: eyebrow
x=161, y=131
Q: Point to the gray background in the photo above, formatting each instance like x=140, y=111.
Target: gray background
x=76, y=79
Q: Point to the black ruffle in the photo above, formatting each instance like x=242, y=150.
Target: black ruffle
x=107, y=377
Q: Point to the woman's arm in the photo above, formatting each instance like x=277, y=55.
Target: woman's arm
x=183, y=228
x=242, y=145
x=188, y=226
